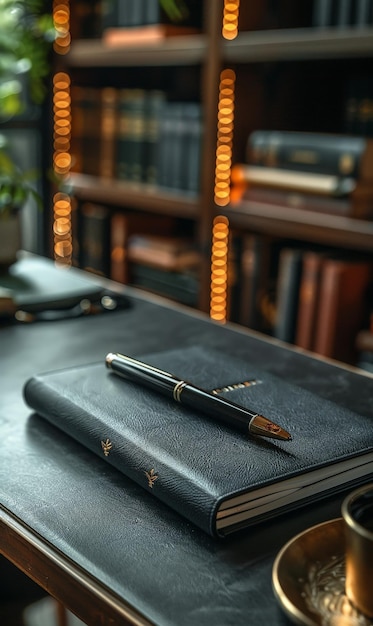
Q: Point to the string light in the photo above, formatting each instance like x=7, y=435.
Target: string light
x=219, y=272
x=62, y=202
x=230, y=19
x=223, y=161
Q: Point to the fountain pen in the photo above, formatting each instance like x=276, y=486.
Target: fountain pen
x=216, y=407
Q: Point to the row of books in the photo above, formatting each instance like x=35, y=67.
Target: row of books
x=327, y=173
x=131, y=13
x=314, y=298
x=145, y=21
x=136, y=135
x=342, y=13
x=148, y=253
x=96, y=18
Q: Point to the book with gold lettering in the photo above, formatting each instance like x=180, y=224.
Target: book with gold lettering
x=215, y=476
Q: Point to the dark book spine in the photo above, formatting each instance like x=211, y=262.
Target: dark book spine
x=345, y=16
x=288, y=282
x=107, y=167
x=308, y=299
x=336, y=155
x=192, y=147
x=95, y=239
x=179, y=286
x=91, y=132
x=259, y=273
x=154, y=108
x=322, y=13
x=109, y=13
x=364, y=13
x=131, y=13
x=131, y=135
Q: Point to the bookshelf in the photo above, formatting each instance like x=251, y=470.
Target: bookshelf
x=282, y=72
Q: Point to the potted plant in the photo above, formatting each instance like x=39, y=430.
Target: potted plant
x=26, y=34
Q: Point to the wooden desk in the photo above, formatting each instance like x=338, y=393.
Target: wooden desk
x=97, y=542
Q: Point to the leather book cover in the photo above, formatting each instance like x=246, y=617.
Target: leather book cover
x=216, y=477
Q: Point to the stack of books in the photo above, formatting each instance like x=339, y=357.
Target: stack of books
x=326, y=173
x=165, y=265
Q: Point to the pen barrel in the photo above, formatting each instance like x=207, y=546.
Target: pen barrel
x=220, y=409
x=158, y=381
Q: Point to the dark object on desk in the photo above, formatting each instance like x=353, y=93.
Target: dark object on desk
x=210, y=403
x=207, y=472
x=40, y=290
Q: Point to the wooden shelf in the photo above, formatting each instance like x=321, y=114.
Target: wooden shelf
x=134, y=196
x=331, y=230
x=185, y=50
x=255, y=46
x=299, y=44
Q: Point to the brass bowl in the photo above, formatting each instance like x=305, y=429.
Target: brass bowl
x=309, y=578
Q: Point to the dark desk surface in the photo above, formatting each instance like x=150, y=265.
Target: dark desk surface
x=103, y=546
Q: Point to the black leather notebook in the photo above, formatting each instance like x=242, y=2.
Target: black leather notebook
x=218, y=478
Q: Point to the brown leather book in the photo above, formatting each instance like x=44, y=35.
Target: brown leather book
x=308, y=299
x=342, y=307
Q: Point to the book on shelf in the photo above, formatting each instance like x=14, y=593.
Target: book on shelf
x=145, y=35
x=131, y=135
x=358, y=107
x=108, y=130
x=154, y=109
x=280, y=178
x=170, y=253
x=309, y=297
x=287, y=293
x=258, y=275
x=181, y=286
x=145, y=21
x=217, y=478
x=343, y=156
x=318, y=193
x=343, y=306
x=340, y=13
x=94, y=127
x=179, y=153
x=95, y=244
x=358, y=204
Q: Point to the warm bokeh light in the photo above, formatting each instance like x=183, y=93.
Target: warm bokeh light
x=61, y=20
x=223, y=160
x=230, y=19
x=219, y=269
x=62, y=202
